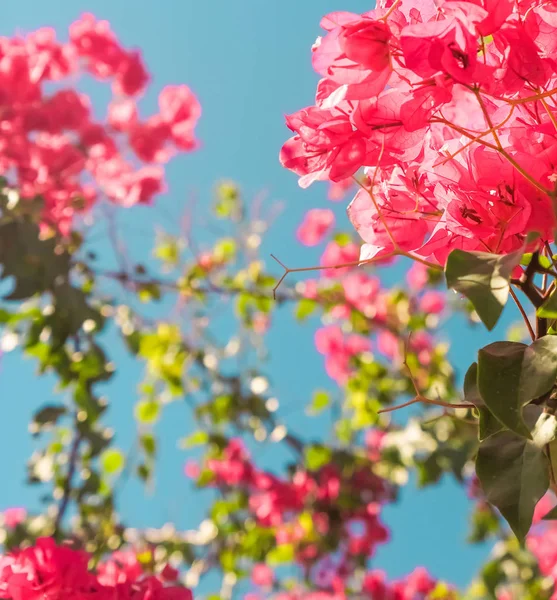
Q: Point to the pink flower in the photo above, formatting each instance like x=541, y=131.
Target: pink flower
x=122, y=114
x=310, y=289
x=234, y=467
x=149, y=140
x=325, y=146
x=417, y=276
x=339, y=189
x=180, y=109
x=374, y=441
x=395, y=97
x=339, y=349
x=261, y=323
x=365, y=42
x=142, y=186
x=169, y=573
x=131, y=77
x=361, y=291
x=262, y=575
x=122, y=567
x=432, y=302
x=192, y=469
x=14, y=516
x=336, y=255
x=95, y=41
x=389, y=345
x=52, y=149
x=46, y=571
x=316, y=224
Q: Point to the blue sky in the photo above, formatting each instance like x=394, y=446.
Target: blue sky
x=249, y=63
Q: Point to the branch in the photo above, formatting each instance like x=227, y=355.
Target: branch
x=419, y=398
x=359, y=263
x=72, y=461
x=523, y=313
x=209, y=288
x=422, y=399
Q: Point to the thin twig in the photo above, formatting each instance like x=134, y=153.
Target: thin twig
x=358, y=263
x=418, y=398
x=423, y=400
x=523, y=313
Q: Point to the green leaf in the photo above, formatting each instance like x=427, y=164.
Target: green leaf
x=543, y=261
x=149, y=444
x=195, y=439
x=71, y=311
x=284, y=553
x=112, y=461
x=205, y=478
x=34, y=263
x=228, y=201
x=548, y=310
x=319, y=402
x=471, y=391
x=342, y=238
x=225, y=249
x=49, y=415
x=143, y=472
x=147, y=411
x=317, y=457
x=513, y=471
x=489, y=425
x=499, y=369
x=511, y=374
x=168, y=250
x=148, y=292
x=484, y=279
x=305, y=308
x=539, y=368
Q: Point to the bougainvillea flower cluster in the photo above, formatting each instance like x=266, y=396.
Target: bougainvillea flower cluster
x=282, y=504
x=52, y=146
x=48, y=571
x=418, y=585
x=450, y=110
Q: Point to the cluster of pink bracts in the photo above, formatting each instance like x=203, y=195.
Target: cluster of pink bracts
x=51, y=145
x=47, y=571
x=449, y=107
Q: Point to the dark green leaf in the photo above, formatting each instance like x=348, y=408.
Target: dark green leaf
x=471, y=391
x=149, y=444
x=499, y=369
x=511, y=374
x=513, y=471
x=49, y=415
x=484, y=279
x=539, y=368
x=489, y=425
x=33, y=263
